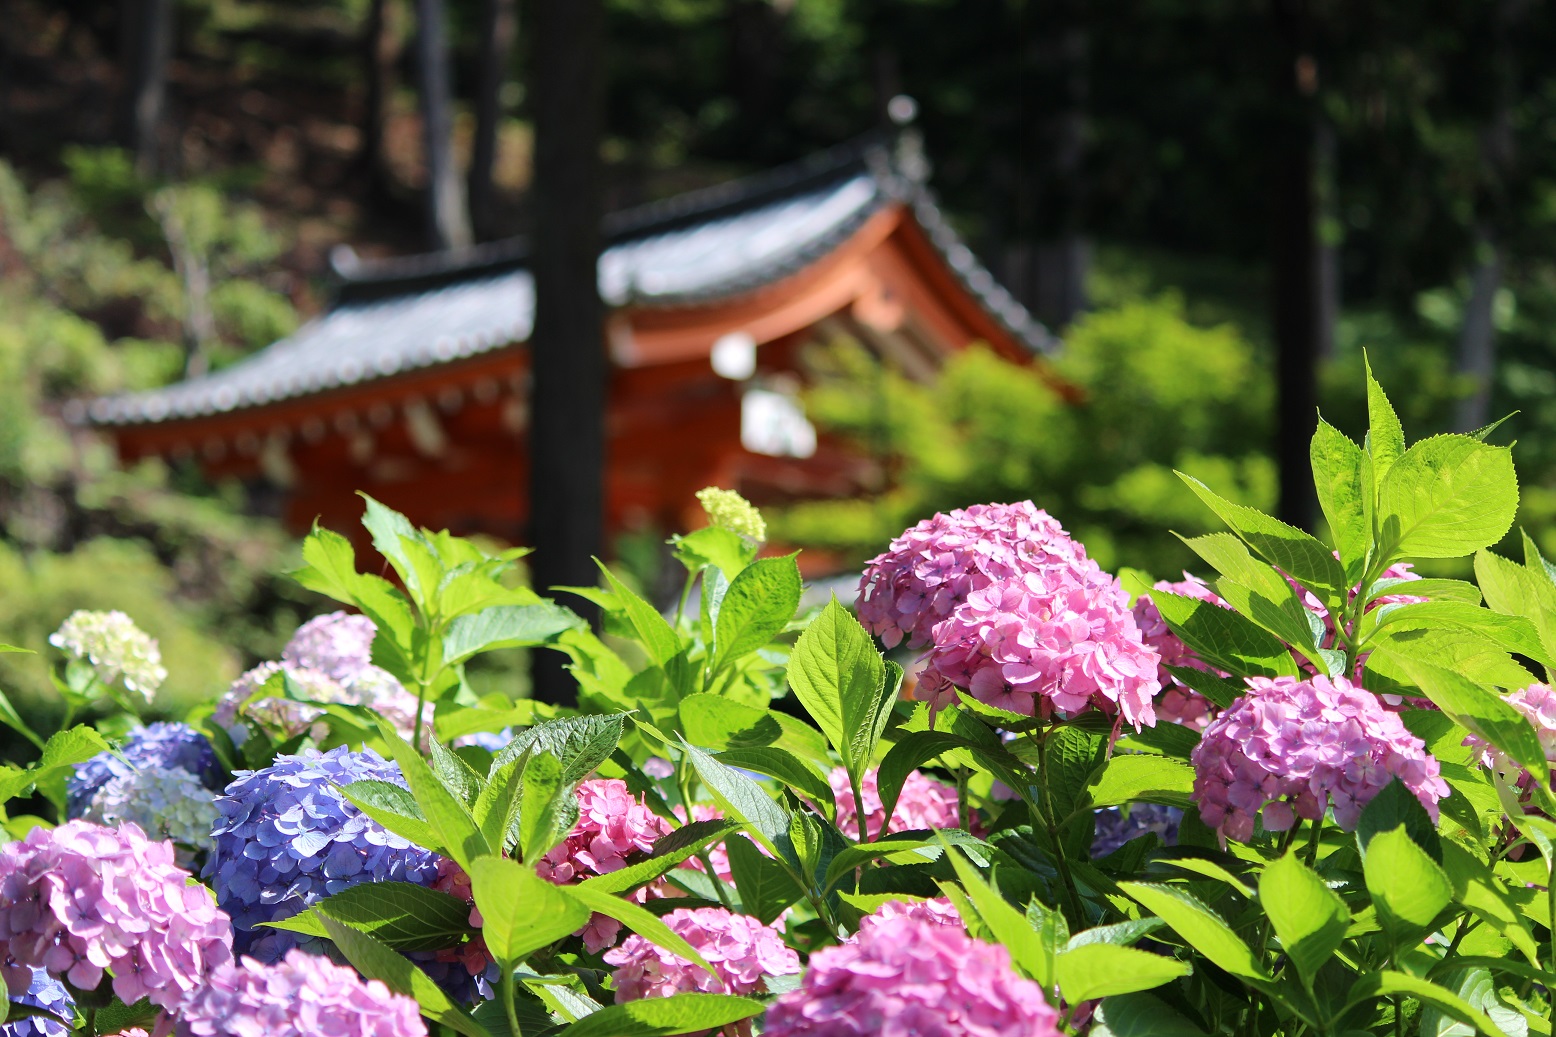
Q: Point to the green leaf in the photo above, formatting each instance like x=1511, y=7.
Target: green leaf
x=449, y=818
x=497, y=805
x=758, y=605
x=1258, y=591
x=547, y=807
x=457, y=776
x=644, y=923
x=1387, y=982
x=1337, y=476
x=669, y=852
x=1286, y=547
x=1514, y=633
x=1395, y=806
x=1446, y=496
x=717, y=722
x=1482, y=713
x=1121, y=933
x=1009, y=926
x=401, y=915
x=1308, y=916
x=715, y=546
x=744, y=800
x=394, y=808
x=840, y=679
x=787, y=768
x=521, y=911
x=766, y=888
x=1200, y=927
x=1223, y=638
x=505, y=626
x=1469, y=655
x=919, y=747
x=581, y=743
x=662, y=1016
x=376, y=960
x=1152, y=779
x=1140, y=1015
x=654, y=632
x=1103, y=969
x=65, y=749
x=1408, y=888
x=12, y=719
x=1385, y=435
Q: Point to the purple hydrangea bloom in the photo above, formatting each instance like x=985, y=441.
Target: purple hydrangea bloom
x=170, y=746
x=1115, y=827
x=301, y=996
x=1290, y=749
x=82, y=900
x=910, y=973
x=933, y=567
x=337, y=644
x=45, y=992
x=286, y=838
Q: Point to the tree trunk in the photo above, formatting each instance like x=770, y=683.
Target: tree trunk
x=499, y=27
x=1327, y=250
x=567, y=347
x=448, y=220
x=145, y=44
x=382, y=38
x=1478, y=335
x=1295, y=260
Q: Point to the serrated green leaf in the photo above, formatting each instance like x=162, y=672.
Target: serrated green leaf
x=1127, y=778
x=654, y=632
x=744, y=800
x=1200, y=927
x=1408, y=888
x=1393, y=807
x=766, y=889
x=1387, y=982
x=505, y=626
x=1513, y=633
x=394, y=808
x=635, y=918
x=1225, y=639
x=758, y=605
x=1445, y=497
x=785, y=767
x=919, y=747
x=449, y=818
x=581, y=743
x=521, y=911
x=841, y=680
x=1096, y=970
x=457, y=776
x=1337, y=476
x=715, y=546
x=1010, y=927
x=1289, y=549
x=1385, y=435
x=1308, y=916
x=402, y=915
x=668, y=852
x=718, y=722
x=1140, y=1015
x=1484, y=714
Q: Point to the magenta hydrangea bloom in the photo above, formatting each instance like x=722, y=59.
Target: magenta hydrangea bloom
x=938, y=910
x=1291, y=748
x=1178, y=703
x=612, y=826
x=303, y=995
x=924, y=803
x=742, y=951
x=912, y=976
x=81, y=899
x=932, y=568
x=1061, y=640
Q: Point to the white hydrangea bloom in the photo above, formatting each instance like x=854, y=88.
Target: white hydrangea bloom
x=166, y=802
x=116, y=648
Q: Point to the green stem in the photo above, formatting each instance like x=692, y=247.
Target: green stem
x=508, y=1002
x=1550, y=902
x=1313, y=839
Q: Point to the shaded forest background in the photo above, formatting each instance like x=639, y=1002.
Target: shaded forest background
x=1219, y=204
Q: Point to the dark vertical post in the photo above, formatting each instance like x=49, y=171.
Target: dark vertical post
x=499, y=27
x=1294, y=257
x=567, y=348
x=145, y=45
x=381, y=45
x=448, y=220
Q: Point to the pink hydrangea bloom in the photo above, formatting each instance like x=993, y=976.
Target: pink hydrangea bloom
x=1058, y=640
x=912, y=976
x=718, y=856
x=742, y=951
x=303, y=995
x=939, y=910
x=1178, y=703
x=81, y=899
x=1290, y=748
x=1537, y=703
x=336, y=644
x=474, y=955
x=932, y=568
x=924, y=803
x=612, y=826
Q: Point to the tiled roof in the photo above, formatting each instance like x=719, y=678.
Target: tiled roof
x=403, y=314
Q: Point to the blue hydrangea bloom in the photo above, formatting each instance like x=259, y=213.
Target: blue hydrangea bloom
x=49, y=994
x=286, y=838
x=1115, y=828
x=173, y=746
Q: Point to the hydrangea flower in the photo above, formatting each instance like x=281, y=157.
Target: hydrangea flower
x=612, y=825
x=1537, y=703
x=1178, y=703
x=38, y=989
x=1115, y=827
x=170, y=746
x=1291, y=748
x=908, y=974
x=81, y=899
x=742, y=951
x=303, y=995
x=933, y=567
x=165, y=802
x=329, y=660
x=1060, y=640
x=286, y=838
x=116, y=648
x=729, y=510
x=923, y=803
x=938, y=910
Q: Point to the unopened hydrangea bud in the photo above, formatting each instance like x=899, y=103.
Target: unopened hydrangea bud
x=116, y=648
x=82, y=900
x=1290, y=749
x=912, y=974
x=729, y=510
x=742, y=951
x=303, y=995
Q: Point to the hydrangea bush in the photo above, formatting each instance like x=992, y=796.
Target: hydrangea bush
x=1306, y=792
